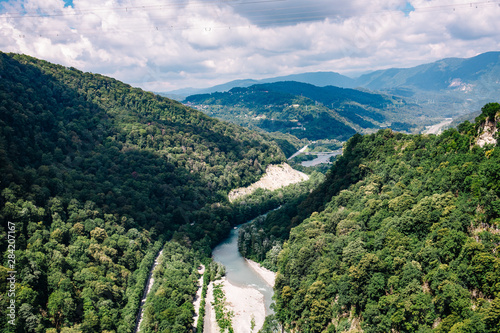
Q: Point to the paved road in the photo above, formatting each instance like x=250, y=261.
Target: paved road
x=298, y=152
x=149, y=285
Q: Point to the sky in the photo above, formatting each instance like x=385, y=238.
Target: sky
x=164, y=45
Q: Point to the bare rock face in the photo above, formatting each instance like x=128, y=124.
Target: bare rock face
x=487, y=133
x=276, y=176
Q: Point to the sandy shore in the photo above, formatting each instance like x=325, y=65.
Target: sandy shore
x=246, y=303
x=267, y=275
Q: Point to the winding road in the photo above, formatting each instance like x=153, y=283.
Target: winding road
x=298, y=152
x=149, y=285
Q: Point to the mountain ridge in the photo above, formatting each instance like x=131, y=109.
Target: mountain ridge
x=449, y=87
x=319, y=79
x=306, y=111
x=445, y=69
x=368, y=80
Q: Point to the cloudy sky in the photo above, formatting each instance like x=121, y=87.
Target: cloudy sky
x=162, y=45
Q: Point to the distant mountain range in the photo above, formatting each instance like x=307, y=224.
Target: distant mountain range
x=443, y=74
x=448, y=87
x=450, y=73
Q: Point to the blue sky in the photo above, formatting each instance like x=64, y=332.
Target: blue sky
x=163, y=45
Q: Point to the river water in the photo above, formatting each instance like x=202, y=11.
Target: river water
x=238, y=272
x=322, y=157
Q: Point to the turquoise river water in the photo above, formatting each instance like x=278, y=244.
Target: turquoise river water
x=238, y=272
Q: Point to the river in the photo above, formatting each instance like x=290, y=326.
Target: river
x=238, y=271
x=322, y=157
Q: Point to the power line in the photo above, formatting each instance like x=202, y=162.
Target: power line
x=268, y=17
x=70, y=11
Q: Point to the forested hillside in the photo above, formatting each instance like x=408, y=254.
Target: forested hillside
x=306, y=111
x=257, y=107
x=404, y=237
x=96, y=176
x=360, y=107
x=447, y=88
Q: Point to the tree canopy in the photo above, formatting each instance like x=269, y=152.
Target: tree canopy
x=96, y=176
x=403, y=236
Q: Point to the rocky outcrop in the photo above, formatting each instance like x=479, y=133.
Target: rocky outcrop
x=487, y=133
x=276, y=176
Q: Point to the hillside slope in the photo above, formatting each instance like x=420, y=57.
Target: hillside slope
x=96, y=175
x=402, y=236
x=273, y=111
x=449, y=87
x=320, y=79
x=442, y=74
x=303, y=110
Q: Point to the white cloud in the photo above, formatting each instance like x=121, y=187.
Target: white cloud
x=165, y=46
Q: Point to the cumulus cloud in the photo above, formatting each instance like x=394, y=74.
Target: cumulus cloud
x=163, y=46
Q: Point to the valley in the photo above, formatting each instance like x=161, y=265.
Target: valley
x=450, y=87
x=248, y=294
x=137, y=213
x=107, y=175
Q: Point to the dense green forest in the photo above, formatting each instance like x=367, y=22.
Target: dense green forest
x=360, y=107
x=271, y=111
x=307, y=111
x=169, y=307
x=266, y=233
x=96, y=176
x=403, y=236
